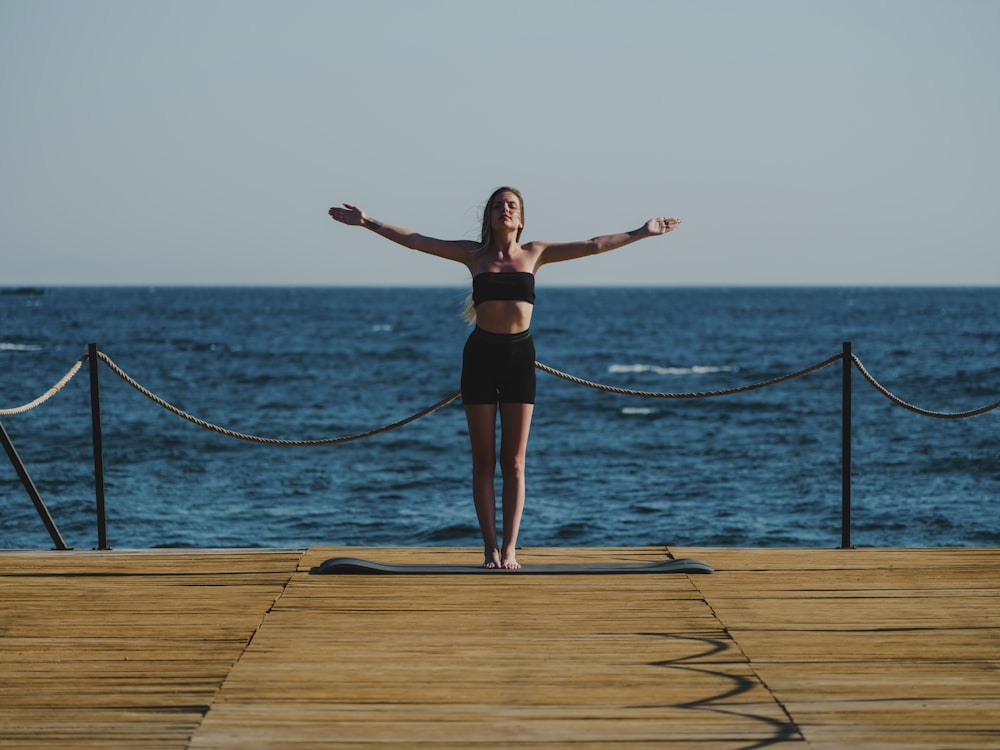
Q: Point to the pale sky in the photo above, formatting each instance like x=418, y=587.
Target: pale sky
x=201, y=141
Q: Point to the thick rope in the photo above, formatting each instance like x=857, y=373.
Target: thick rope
x=269, y=441
x=899, y=402
x=701, y=394
x=445, y=401
x=50, y=392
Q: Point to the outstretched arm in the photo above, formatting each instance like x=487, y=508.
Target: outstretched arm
x=553, y=252
x=458, y=250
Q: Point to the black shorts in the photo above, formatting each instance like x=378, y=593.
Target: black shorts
x=498, y=368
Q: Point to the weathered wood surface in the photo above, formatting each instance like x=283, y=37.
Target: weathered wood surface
x=124, y=650
x=247, y=649
x=869, y=648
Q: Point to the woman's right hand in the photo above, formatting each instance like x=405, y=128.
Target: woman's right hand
x=350, y=215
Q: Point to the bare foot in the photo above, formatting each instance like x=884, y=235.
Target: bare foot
x=509, y=561
x=491, y=558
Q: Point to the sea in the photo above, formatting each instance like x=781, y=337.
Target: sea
x=751, y=468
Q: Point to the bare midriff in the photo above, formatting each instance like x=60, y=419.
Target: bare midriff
x=504, y=316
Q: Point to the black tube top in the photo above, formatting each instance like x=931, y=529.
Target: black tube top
x=503, y=285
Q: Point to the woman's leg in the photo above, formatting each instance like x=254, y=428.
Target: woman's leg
x=515, y=422
x=482, y=419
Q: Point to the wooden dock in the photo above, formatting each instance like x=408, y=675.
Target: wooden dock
x=247, y=650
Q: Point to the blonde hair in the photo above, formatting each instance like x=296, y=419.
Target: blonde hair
x=486, y=240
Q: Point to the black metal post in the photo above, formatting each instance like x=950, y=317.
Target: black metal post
x=847, y=364
x=22, y=472
x=95, y=421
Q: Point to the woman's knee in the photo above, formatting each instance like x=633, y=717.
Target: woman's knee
x=512, y=465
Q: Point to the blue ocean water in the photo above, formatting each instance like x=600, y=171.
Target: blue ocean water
x=761, y=468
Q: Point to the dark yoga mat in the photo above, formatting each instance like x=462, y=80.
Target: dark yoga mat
x=357, y=566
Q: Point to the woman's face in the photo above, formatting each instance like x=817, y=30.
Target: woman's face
x=505, y=211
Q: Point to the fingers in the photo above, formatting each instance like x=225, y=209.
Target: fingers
x=662, y=225
x=347, y=214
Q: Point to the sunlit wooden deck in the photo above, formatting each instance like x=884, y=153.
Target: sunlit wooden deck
x=243, y=649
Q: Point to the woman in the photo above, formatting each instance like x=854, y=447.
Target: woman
x=498, y=364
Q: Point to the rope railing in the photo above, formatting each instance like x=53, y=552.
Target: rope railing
x=449, y=399
x=266, y=440
x=434, y=407
x=49, y=393
x=916, y=409
x=94, y=356
x=697, y=394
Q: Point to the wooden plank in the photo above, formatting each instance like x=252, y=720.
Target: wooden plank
x=124, y=649
x=237, y=649
x=615, y=660
x=871, y=648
